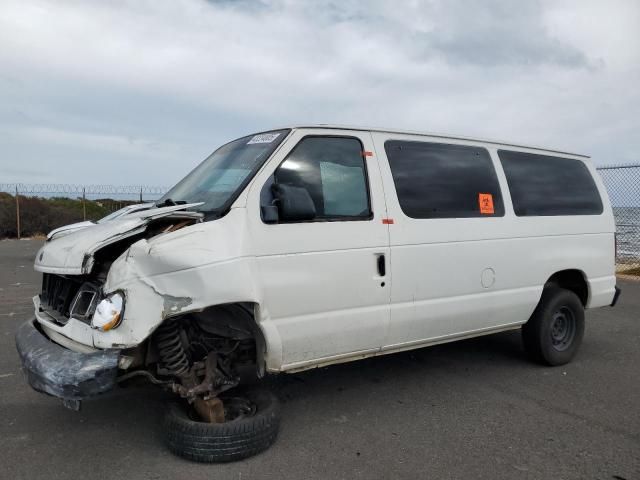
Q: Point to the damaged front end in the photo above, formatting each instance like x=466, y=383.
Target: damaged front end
x=166, y=295
x=127, y=300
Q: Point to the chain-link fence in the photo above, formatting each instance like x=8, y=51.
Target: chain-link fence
x=623, y=185
x=35, y=209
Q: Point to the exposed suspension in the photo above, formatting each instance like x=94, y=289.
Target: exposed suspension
x=199, y=379
x=172, y=354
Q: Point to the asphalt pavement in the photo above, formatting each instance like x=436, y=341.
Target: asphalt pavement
x=471, y=409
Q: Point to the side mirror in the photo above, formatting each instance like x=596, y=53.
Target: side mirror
x=294, y=203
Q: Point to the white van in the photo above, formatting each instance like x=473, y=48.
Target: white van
x=308, y=246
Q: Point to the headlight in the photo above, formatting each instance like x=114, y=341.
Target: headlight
x=108, y=313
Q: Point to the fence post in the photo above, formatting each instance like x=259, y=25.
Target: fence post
x=84, y=207
x=17, y=213
x=140, y=194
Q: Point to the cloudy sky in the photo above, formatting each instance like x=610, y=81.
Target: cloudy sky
x=138, y=92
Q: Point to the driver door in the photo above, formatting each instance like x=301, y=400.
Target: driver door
x=324, y=281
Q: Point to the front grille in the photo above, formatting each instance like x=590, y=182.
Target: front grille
x=65, y=297
x=58, y=293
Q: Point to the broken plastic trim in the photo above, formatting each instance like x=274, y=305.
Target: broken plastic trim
x=63, y=373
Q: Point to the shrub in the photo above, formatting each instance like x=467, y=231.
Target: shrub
x=38, y=215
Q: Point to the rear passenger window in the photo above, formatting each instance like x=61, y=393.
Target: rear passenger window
x=547, y=185
x=332, y=170
x=435, y=180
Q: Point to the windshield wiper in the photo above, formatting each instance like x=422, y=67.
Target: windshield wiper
x=212, y=214
x=170, y=203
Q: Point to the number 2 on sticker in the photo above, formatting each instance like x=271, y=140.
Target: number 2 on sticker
x=486, y=203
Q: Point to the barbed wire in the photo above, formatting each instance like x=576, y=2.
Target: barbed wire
x=60, y=188
x=618, y=166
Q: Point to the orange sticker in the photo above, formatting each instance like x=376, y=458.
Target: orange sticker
x=486, y=203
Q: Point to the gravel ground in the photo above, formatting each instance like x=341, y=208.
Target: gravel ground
x=471, y=409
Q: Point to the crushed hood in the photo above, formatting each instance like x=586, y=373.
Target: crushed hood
x=69, y=228
x=73, y=254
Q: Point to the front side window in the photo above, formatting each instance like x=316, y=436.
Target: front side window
x=332, y=170
x=221, y=177
x=436, y=180
x=543, y=185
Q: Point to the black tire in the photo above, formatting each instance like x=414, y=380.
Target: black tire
x=224, y=442
x=554, y=332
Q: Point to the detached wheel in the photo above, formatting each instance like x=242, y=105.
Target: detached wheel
x=554, y=332
x=251, y=426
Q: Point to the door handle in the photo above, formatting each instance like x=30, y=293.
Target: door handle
x=382, y=265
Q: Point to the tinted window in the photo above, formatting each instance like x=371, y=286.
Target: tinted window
x=333, y=171
x=435, y=180
x=546, y=185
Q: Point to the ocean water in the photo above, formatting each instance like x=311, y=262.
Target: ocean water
x=628, y=230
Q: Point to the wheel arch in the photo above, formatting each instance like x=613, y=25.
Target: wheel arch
x=241, y=315
x=573, y=280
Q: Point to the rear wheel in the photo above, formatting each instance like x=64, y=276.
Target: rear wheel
x=554, y=332
x=251, y=425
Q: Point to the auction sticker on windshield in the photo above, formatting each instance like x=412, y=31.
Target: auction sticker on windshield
x=263, y=138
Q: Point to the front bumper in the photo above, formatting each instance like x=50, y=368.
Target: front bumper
x=63, y=373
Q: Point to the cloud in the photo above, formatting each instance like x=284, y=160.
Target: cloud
x=147, y=83
x=110, y=143
x=497, y=35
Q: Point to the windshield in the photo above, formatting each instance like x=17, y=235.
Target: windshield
x=221, y=177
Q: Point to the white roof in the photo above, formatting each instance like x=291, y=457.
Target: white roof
x=437, y=135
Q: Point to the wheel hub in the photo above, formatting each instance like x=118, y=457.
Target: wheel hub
x=210, y=410
x=563, y=329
